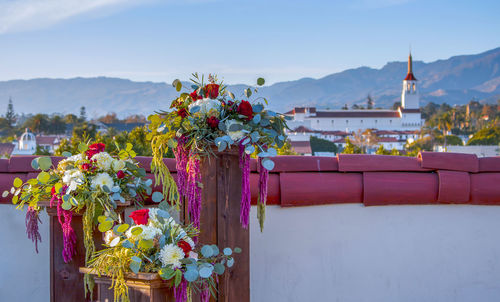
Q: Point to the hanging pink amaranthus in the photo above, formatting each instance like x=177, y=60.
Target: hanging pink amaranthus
x=69, y=237
x=181, y=161
x=194, y=190
x=245, y=187
x=205, y=295
x=180, y=292
x=32, y=221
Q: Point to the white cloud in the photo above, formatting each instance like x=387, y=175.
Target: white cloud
x=22, y=15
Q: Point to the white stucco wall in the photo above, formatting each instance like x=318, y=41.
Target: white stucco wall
x=328, y=253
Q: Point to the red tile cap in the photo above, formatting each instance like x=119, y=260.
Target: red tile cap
x=485, y=188
x=449, y=161
x=489, y=164
x=4, y=165
x=293, y=163
x=273, y=188
x=454, y=186
x=366, y=162
x=302, y=188
x=390, y=188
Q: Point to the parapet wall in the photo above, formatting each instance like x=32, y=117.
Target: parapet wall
x=430, y=178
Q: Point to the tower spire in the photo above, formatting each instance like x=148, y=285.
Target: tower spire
x=410, y=64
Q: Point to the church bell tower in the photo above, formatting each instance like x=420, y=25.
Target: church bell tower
x=409, y=95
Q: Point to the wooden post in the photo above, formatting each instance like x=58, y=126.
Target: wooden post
x=220, y=222
x=66, y=282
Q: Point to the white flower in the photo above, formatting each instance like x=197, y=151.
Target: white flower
x=72, y=178
x=108, y=236
x=118, y=165
x=171, y=254
x=75, y=158
x=207, y=106
x=148, y=232
x=103, y=160
x=235, y=135
x=102, y=179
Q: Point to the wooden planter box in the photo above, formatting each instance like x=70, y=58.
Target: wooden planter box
x=66, y=283
x=142, y=287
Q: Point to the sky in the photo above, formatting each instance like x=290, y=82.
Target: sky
x=240, y=40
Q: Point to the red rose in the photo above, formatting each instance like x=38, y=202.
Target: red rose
x=120, y=174
x=94, y=149
x=86, y=167
x=182, y=112
x=195, y=96
x=140, y=216
x=53, y=191
x=245, y=108
x=213, y=122
x=212, y=90
x=186, y=247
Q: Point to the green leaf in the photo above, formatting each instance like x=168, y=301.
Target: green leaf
x=157, y=196
x=261, y=81
x=231, y=95
x=127, y=244
x=178, y=277
x=248, y=92
x=18, y=182
x=15, y=199
x=66, y=205
x=237, y=250
x=102, y=218
x=136, y=231
x=105, y=226
x=58, y=187
x=268, y=164
x=43, y=177
x=122, y=228
x=34, y=164
x=44, y=163
x=135, y=266
x=5, y=194
x=145, y=244
x=82, y=147
x=167, y=273
x=207, y=251
x=227, y=251
x=66, y=154
x=219, y=268
x=177, y=84
x=129, y=147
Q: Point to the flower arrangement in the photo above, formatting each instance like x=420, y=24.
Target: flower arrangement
x=156, y=243
x=92, y=181
x=208, y=115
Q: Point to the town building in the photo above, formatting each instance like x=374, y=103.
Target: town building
x=394, y=127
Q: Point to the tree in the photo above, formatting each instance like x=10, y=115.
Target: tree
x=487, y=136
x=38, y=123
x=370, y=103
x=351, y=148
x=286, y=149
x=345, y=107
x=444, y=124
x=10, y=118
x=109, y=118
x=83, y=114
x=382, y=151
x=322, y=145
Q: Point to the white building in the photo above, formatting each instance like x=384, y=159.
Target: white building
x=407, y=117
x=28, y=142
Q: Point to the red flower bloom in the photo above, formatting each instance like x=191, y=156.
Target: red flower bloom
x=245, y=108
x=195, y=96
x=182, y=112
x=53, y=190
x=120, y=174
x=213, y=122
x=94, y=149
x=212, y=90
x=140, y=216
x=186, y=247
x=86, y=166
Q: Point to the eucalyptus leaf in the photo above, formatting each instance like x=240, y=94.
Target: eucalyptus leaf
x=205, y=272
x=227, y=251
x=135, y=266
x=256, y=118
x=219, y=268
x=230, y=262
x=17, y=182
x=157, y=196
x=66, y=154
x=207, y=251
x=105, y=226
x=43, y=177
x=191, y=275
x=261, y=81
x=114, y=242
x=82, y=147
x=34, y=164
x=44, y=163
x=194, y=109
x=257, y=108
x=268, y=164
x=136, y=231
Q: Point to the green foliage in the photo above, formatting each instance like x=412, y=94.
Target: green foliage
x=382, y=151
x=322, y=145
x=351, y=148
x=487, y=136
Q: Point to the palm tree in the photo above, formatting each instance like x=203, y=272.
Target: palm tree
x=444, y=124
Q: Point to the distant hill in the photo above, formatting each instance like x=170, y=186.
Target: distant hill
x=455, y=81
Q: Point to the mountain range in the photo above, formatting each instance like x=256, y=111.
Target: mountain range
x=456, y=80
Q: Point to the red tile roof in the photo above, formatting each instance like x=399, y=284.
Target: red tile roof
x=410, y=77
x=301, y=147
x=431, y=178
x=45, y=140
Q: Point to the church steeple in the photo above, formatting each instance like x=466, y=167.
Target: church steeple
x=410, y=76
x=409, y=96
